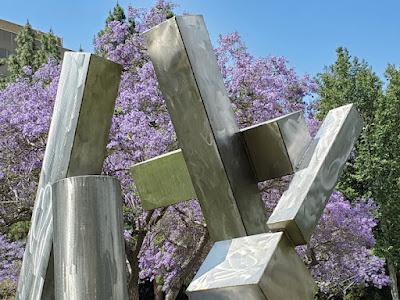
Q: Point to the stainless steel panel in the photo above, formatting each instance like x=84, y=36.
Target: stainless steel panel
x=276, y=147
x=89, y=253
x=188, y=76
x=261, y=266
x=295, y=134
x=163, y=180
x=71, y=135
x=300, y=207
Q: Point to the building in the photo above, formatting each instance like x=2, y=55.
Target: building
x=8, y=32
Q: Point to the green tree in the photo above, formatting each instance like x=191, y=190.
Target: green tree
x=24, y=52
x=30, y=52
x=384, y=170
x=48, y=48
x=350, y=80
x=117, y=14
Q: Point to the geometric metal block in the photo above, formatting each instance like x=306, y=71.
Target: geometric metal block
x=163, y=180
x=89, y=252
x=302, y=204
x=76, y=143
x=276, y=147
x=262, y=266
x=201, y=112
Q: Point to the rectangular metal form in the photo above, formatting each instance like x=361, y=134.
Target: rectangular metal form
x=276, y=147
x=262, y=266
x=78, y=135
x=204, y=121
x=89, y=250
x=300, y=207
x=163, y=180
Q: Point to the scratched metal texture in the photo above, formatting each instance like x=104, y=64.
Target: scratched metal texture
x=163, y=180
x=204, y=121
x=76, y=143
x=301, y=206
x=275, y=147
x=89, y=253
x=253, y=268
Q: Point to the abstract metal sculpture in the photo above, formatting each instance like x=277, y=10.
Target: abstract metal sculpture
x=78, y=135
x=225, y=164
x=212, y=145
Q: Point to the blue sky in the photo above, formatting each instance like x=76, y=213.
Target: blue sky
x=305, y=32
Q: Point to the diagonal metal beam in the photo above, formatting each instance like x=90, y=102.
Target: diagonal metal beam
x=76, y=144
x=188, y=76
x=300, y=207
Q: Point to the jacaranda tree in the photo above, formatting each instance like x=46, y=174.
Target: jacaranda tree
x=166, y=246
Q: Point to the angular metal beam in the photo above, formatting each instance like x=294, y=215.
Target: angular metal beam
x=204, y=121
x=300, y=207
x=76, y=144
x=163, y=180
x=89, y=251
x=259, y=267
x=276, y=147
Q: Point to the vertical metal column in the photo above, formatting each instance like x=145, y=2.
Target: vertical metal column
x=76, y=145
x=89, y=255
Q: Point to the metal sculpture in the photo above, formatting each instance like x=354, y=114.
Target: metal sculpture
x=78, y=135
x=213, y=148
x=224, y=165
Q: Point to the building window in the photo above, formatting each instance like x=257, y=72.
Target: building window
x=3, y=52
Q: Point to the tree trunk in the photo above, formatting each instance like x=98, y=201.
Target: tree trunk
x=158, y=294
x=187, y=268
x=132, y=253
x=132, y=256
x=393, y=277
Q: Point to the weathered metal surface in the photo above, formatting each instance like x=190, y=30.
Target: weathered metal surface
x=76, y=143
x=89, y=253
x=163, y=180
x=204, y=121
x=263, y=266
x=300, y=207
x=276, y=147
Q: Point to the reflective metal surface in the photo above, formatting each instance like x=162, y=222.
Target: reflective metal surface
x=275, y=147
x=89, y=253
x=163, y=180
x=263, y=266
x=76, y=143
x=300, y=207
x=204, y=121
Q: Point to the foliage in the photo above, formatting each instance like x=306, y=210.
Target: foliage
x=32, y=51
x=48, y=49
x=374, y=170
x=171, y=243
x=24, y=52
x=385, y=167
x=350, y=80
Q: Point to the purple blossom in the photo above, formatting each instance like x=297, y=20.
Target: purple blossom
x=11, y=254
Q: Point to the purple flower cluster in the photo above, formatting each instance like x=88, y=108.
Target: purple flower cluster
x=11, y=254
x=339, y=253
